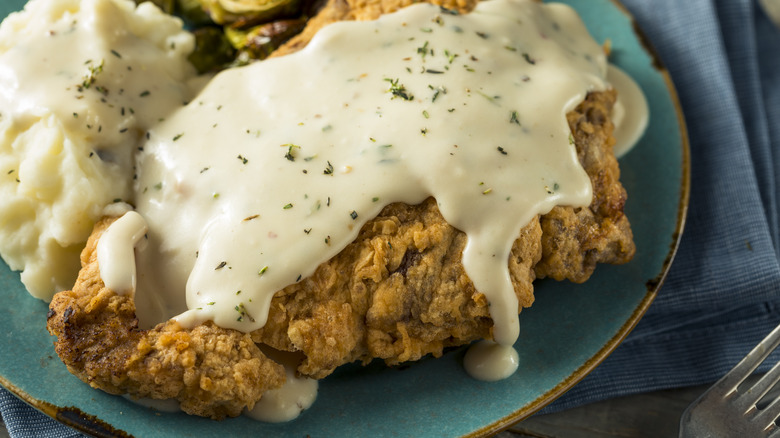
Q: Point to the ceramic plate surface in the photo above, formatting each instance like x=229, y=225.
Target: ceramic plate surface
x=568, y=331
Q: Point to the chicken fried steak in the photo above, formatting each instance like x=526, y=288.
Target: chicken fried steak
x=397, y=293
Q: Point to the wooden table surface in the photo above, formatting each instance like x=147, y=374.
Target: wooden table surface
x=652, y=415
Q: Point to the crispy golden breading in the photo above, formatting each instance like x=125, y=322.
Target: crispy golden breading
x=213, y=372
x=398, y=292
x=574, y=240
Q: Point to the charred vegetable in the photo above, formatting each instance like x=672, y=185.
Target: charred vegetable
x=213, y=51
x=245, y=13
x=258, y=42
x=236, y=32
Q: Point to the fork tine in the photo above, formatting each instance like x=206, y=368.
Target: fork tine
x=752, y=395
x=769, y=414
x=746, y=366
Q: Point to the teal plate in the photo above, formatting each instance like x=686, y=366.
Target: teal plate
x=568, y=331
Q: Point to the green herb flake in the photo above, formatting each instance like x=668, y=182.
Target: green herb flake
x=502, y=151
x=353, y=215
x=262, y=270
x=424, y=50
x=91, y=77
x=450, y=56
x=425, y=114
x=287, y=206
x=115, y=53
x=329, y=169
x=243, y=159
x=177, y=136
x=220, y=265
x=242, y=313
x=144, y=93
x=290, y=154
x=514, y=118
x=436, y=92
x=528, y=59
x=398, y=90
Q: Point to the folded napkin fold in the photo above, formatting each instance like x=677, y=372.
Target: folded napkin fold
x=721, y=295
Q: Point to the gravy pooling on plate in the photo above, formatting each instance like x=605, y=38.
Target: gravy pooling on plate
x=274, y=167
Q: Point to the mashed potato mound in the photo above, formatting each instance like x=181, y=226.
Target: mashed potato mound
x=71, y=120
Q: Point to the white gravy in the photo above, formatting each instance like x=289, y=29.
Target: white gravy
x=630, y=114
x=288, y=402
x=488, y=361
x=274, y=167
x=116, y=252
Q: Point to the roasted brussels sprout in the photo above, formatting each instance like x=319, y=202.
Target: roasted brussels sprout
x=245, y=13
x=213, y=51
x=258, y=42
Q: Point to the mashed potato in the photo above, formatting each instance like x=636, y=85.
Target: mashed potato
x=81, y=81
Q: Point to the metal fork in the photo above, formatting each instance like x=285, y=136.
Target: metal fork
x=726, y=410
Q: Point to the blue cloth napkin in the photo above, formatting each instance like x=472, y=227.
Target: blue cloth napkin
x=722, y=294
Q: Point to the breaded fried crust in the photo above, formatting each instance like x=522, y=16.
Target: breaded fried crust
x=213, y=372
x=574, y=240
x=398, y=292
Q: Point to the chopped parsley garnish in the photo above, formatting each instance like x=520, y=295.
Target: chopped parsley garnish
x=398, y=90
x=329, y=169
x=290, y=155
x=514, y=118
